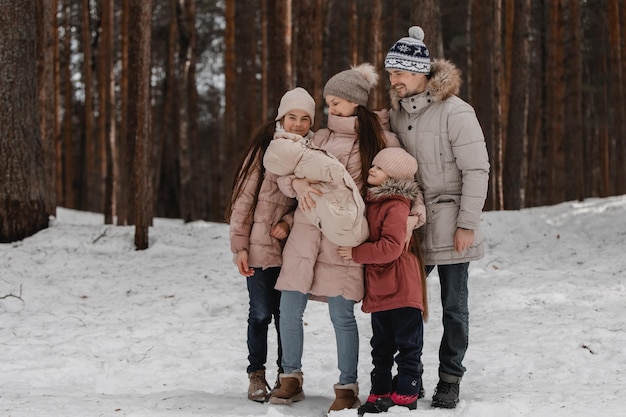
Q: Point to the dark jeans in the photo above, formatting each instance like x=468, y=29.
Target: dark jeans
x=398, y=331
x=454, y=300
x=264, y=303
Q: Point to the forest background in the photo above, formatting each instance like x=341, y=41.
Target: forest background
x=142, y=108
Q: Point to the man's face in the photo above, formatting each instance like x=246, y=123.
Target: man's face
x=406, y=83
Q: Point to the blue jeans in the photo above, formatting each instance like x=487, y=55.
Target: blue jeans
x=292, y=306
x=264, y=303
x=454, y=300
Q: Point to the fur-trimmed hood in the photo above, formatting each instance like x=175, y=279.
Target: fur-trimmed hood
x=445, y=81
x=393, y=187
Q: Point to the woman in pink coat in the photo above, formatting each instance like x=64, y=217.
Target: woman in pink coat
x=260, y=218
x=312, y=268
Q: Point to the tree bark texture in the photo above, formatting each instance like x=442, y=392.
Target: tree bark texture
x=22, y=177
x=140, y=117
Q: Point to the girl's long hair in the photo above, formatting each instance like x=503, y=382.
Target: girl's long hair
x=252, y=159
x=415, y=247
x=371, y=139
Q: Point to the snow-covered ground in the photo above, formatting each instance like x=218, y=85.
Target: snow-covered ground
x=104, y=330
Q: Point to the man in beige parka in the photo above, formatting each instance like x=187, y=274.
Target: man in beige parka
x=442, y=132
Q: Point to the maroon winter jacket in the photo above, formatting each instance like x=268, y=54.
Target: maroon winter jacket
x=392, y=275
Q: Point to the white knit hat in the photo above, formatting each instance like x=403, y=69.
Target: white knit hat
x=409, y=54
x=297, y=99
x=396, y=162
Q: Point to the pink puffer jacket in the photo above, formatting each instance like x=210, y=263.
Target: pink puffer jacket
x=311, y=263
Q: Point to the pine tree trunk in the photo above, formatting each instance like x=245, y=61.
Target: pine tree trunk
x=555, y=102
x=47, y=26
x=68, y=98
x=22, y=178
x=516, y=137
x=574, y=106
x=90, y=169
x=139, y=118
x=122, y=148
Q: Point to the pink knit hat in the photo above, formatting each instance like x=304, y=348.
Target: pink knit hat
x=297, y=99
x=397, y=163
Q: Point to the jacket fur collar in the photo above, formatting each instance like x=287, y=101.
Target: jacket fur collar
x=393, y=187
x=445, y=81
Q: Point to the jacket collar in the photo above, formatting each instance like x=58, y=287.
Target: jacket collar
x=344, y=125
x=445, y=81
x=394, y=188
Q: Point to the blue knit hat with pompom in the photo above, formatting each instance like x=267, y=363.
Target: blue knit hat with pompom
x=409, y=54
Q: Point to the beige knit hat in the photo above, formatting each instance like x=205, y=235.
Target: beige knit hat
x=354, y=84
x=297, y=99
x=397, y=163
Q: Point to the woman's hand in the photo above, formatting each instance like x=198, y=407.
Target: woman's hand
x=242, y=263
x=280, y=230
x=303, y=189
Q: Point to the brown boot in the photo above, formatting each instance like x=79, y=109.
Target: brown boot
x=257, y=390
x=290, y=389
x=346, y=396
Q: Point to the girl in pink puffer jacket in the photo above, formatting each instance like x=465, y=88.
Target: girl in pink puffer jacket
x=260, y=219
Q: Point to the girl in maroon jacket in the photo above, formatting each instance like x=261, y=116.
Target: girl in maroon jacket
x=395, y=290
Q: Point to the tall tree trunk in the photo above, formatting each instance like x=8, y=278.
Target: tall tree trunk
x=426, y=14
x=377, y=96
x=22, y=178
x=482, y=92
x=508, y=34
x=244, y=83
x=122, y=148
x=139, y=117
x=574, y=105
x=617, y=143
x=265, y=54
x=90, y=146
x=279, y=20
x=496, y=84
x=187, y=107
x=230, y=103
x=555, y=102
x=58, y=146
x=621, y=163
x=68, y=111
x=535, y=185
x=183, y=154
x=309, y=62
x=166, y=139
x=47, y=27
x=105, y=109
x=353, y=32
x=516, y=138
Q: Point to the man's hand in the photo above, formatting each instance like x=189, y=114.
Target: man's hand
x=303, y=189
x=242, y=263
x=463, y=239
x=345, y=252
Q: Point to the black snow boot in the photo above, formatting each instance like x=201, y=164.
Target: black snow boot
x=446, y=395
